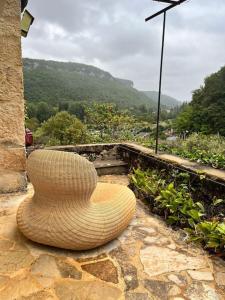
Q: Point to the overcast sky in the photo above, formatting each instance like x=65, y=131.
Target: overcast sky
x=112, y=35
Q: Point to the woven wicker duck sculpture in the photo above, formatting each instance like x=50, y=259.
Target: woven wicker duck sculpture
x=69, y=208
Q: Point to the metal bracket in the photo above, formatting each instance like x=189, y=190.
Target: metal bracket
x=167, y=1
x=174, y=3
x=23, y=4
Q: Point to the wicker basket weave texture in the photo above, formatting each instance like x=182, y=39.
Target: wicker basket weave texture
x=69, y=208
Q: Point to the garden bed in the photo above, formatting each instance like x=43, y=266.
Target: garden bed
x=204, y=149
x=183, y=204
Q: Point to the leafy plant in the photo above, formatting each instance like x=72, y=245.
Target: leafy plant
x=180, y=206
x=177, y=204
x=148, y=182
x=217, y=201
x=210, y=233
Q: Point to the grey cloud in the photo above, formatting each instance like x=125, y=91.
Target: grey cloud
x=113, y=35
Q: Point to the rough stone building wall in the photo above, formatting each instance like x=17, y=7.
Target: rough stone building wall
x=12, y=151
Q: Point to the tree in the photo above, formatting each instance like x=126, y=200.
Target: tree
x=31, y=110
x=98, y=116
x=32, y=124
x=77, y=109
x=43, y=111
x=206, y=112
x=62, y=129
x=63, y=106
x=184, y=120
x=143, y=109
x=108, y=119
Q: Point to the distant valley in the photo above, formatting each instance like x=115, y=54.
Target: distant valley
x=165, y=99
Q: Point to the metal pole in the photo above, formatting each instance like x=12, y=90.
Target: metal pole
x=160, y=83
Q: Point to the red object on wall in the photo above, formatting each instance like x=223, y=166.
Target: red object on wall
x=28, y=137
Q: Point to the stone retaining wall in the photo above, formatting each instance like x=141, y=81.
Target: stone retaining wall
x=139, y=156
x=135, y=155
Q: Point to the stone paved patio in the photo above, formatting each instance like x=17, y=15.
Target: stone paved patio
x=149, y=261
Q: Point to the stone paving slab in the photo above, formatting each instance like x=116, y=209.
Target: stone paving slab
x=148, y=261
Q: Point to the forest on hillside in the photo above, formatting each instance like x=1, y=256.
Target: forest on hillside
x=59, y=83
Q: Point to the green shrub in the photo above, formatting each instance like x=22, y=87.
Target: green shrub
x=148, y=181
x=205, y=149
x=61, y=129
x=180, y=206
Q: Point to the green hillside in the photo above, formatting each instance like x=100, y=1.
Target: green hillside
x=55, y=82
x=165, y=99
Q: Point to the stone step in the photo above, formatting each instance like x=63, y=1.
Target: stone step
x=110, y=167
